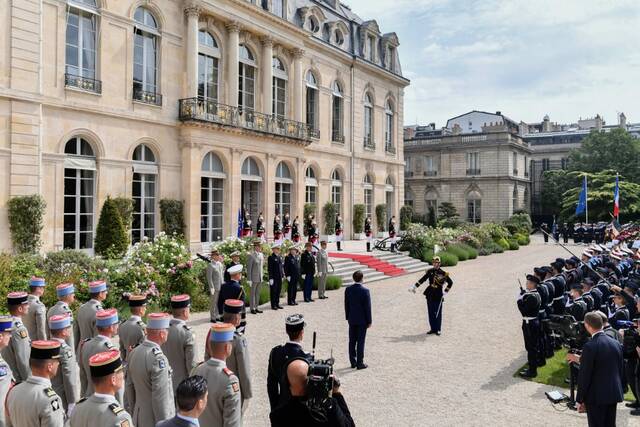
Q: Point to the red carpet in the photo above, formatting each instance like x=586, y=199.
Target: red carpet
x=370, y=261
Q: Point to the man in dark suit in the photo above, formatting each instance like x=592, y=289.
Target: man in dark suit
x=232, y=288
x=357, y=308
x=280, y=356
x=292, y=272
x=308, y=268
x=601, y=374
x=191, y=399
x=275, y=268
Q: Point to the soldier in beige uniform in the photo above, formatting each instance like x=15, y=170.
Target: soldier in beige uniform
x=255, y=263
x=33, y=403
x=66, y=383
x=66, y=293
x=16, y=354
x=6, y=378
x=85, y=325
x=223, y=406
x=322, y=261
x=132, y=330
x=180, y=345
x=215, y=277
x=107, y=326
x=238, y=360
x=148, y=383
x=36, y=319
x=101, y=409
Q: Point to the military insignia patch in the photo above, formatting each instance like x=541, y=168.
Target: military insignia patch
x=227, y=371
x=3, y=371
x=23, y=334
x=115, y=408
x=55, y=405
x=235, y=387
x=161, y=364
x=156, y=351
x=124, y=423
x=49, y=392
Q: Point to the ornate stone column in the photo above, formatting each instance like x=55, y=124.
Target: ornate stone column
x=193, y=12
x=267, y=75
x=233, y=28
x=298, y=106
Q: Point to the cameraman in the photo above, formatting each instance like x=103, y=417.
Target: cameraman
x=631, y=351
x=295, y=412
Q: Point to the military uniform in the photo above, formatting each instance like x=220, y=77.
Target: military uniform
x=215, y=274
x=66, y=383
x=224, y=403
x=16, y=354
x=84, y=327
x=239, y=364
x=322, y=260
x=180, y=350
x=149, y=388
x=131, y=333
x=95, y=345
x=62, y=308
x=528, y=305
x=99, y=410
x=36, y=319
x=6, y=377
x=33, y=403
x=434, y=293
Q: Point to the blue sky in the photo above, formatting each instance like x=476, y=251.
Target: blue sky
x=565, y=58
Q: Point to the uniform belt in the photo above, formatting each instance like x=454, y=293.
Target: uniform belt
x=558, y=298
x=529, y=319
x=542, y=311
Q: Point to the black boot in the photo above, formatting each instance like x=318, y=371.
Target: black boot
x=368, y=247
x=338, y=244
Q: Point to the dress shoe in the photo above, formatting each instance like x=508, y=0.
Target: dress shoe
x=291, y=303
x=280, y=307
x=635, y=412
x=363, y=366
x=634, y=405
x=295, y=303
x=431, y=332
x=528, y=374
x=311, y=300
x=353, y=365
x=438, y=333
x=259, y=311
x=254, y=312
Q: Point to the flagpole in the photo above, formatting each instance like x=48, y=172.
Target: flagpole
x=618, y=202
x=586, y=201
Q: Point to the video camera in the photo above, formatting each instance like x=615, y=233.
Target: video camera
x=570, y=333
x=320, y=384
x=630, y=339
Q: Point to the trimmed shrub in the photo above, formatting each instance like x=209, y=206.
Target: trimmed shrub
x=124, y=206
x=330, y=212
x=519, y=223
x=472, y=253
x=358, y=218
x=406, y=213
x=503, y=243
x=381, y=217
x=484, y=251
x=111, y=237
x=458, y=251
x=447, y=258
x=496, y=248
x=309, y=209
x=333, y=283
x=426, y=255
x=172, y=216
x=513, y=245
x=26, y=214
x=522, y=239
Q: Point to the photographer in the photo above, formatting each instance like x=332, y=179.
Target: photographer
x=298, y=412
x=631, y=351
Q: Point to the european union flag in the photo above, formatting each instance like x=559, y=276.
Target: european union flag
x=240, y=223
x=582, y=199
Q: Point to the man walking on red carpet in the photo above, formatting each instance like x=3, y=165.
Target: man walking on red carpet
x=357, y=307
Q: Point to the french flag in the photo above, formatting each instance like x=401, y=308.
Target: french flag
x=616, y=199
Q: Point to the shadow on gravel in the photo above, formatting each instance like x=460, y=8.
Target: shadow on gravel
x=342, y=372
x=504, y=378
x=409, y=338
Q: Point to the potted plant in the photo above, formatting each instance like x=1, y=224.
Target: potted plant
x=329, y=214
x=358, y=222
x=381, y=220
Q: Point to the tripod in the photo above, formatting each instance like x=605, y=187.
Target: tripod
x=571, y=404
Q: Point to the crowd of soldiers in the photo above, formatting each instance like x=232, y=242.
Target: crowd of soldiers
x=605, y=279
x=580, y=232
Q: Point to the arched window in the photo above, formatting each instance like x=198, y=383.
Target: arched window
x=368, y=121
x=278, y=8
x=311, y=187
x=337, y=112
x=338, y=37
x=336, y=190
x=312, y=103
x=408, y=197
x=312, y=24
x=283, y=189
x=211, y=198
x=208, y=62
x=79, y=194
x=388, y=127
x=474, y=207
x=246, y=79
x=81, y=45
x=367, y=185
x=145, y=173
x=279, y=88
x=431, y=203
x=251, y=188
x=389, y=197
x=250, y=167
x=514, y=199
x=145, y=57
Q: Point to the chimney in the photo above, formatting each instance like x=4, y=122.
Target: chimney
x=498, y=113
x=598, y=122
x=622, y=121
x=433, y=126
x=456, y=129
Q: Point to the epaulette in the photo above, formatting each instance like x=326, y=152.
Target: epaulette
x=115, y=408
x=49, y=392
x=108, y=345
x=23, y=333
x=227, y=371
x=156, y=351
x=187, y=327
x=81, y=400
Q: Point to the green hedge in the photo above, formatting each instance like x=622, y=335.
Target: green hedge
x=513, y=245
x=330, y=212
x=406, y=213
x=448, y=259
x=522, y=239
x=358, y=218
x=458, y=251
x=26, y=215
x=172, y=217
x=381, y=217
x=111, y=236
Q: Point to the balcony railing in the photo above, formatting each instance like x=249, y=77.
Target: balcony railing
x=337, y=136
x=84, y=83
x=473, y=171
x=313, y=132
x=515, y=172
x=390, y=149
x=208, y=110
x=430, y=173
x=408, y=174
x=369, y=143
x=147, y=97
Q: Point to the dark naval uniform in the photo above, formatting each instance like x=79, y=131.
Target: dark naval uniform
x=292, y=272
x=434, y=293
x=275, y=267
x=229, y=290
x=529, y=305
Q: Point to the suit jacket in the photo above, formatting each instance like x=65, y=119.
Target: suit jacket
x=215, y=275
x=322, y=259
x=601, y=372
x=357, y=305
x=255, y=263
x=275, y=267
x=175, y=422
x=307, y=263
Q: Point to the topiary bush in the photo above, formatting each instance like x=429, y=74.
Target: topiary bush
x=172, y=217
x=513, y=245
x=26, y=214
x=406, y=213
x=125, y=209
x=496, y=248
x=381, y=217
x=522, y=239
x=330, y=212
x=519, y=223
x=111, y=237
x=484, y=251
x=503, y=243
x=471, y=252
x=358, y=218
x=458, y=251
x=426, y=255
x=447, y=258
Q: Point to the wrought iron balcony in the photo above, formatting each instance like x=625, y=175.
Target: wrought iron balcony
x=430, y=173
x=146, y=97
x=208, y=110
x=473, y=171
x=337, y=136
x=369, y=143
x=408, y=174
x=313, y=132
x=390, y=149
x=84, y=83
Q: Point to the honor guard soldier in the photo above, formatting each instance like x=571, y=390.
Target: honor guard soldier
x=6, y=377
x=36, y=318
x=619, y=313
x=292, y=272
x=224, y=407
x=66, y=383
x=235, y=260
x=107, y=327
x=238, y=360
x=66, y=293
x=180, y=345
x=578, y=307
x=277, y=230
x=85, y=325
x=215, y=275
x=277, y=385
x=148, y=385
x=275, y=271
x=101, y=409
x=308, y=268
x=529, y=304
x=286, y=226
x=338, y=230
x=392, y=233
x=132, y=331
x=434, y=293
x=260, y=228
x=559, y=284
x=16, y=354
x=232, y=288
x=33, y=403
x=295, y=230
x=368, y=232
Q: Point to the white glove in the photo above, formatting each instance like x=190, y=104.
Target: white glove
x=304, y=276
x=270, y=282
x=70, y=408
x=288, y=278
x=413, y=288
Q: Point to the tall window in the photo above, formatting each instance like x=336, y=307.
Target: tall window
x=336, y=190
x=368, y=196
x=514, y=199
x=278, y=8
x=515, y=163
x=246, y=79
x=312, y=100
x=429, y=166
x=311, y=187
x=545, y=164
x=208, y=58
x=473, y=163
x=431, y=202
x=79, y=194
x=388, y=126
x=283, y=189
x=371, y=48
x=81, y=39
x=408, y=197
x=145, y=173
x=211, y=198
x=145, y=52
x=279, y=89
x=474, y=205
x=336, y=113
x=368, y=120
x=526, y=166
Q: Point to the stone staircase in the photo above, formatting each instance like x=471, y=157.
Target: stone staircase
x=344, y=267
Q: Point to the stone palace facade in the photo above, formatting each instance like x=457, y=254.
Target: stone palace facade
x=222, y=104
